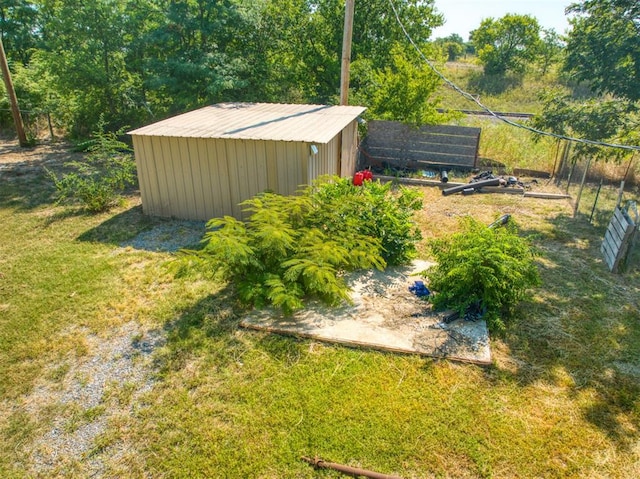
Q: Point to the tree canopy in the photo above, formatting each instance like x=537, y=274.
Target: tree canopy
x=135, y=61
x=603, y=46
x=506, y=44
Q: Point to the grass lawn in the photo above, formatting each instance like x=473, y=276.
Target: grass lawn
x=562, y=398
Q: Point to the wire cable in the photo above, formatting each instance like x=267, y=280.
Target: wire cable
x=472, y=98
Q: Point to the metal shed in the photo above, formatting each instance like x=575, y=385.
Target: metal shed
x=202, y=164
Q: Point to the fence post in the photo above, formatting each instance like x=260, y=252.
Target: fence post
x=584, y=178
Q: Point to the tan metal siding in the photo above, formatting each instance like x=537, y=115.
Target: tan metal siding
x=349, y=150
x=233, y=177
x=219, y=168
x=272, y=166
x=148, y=190
x=199, y=196
x=203, y=178
x=325, y=162
x=207, y=201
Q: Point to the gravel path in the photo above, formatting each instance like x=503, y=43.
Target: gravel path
x=119, y=362
x=169, y=236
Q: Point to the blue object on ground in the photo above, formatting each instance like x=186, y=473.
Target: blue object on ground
x=419, y=289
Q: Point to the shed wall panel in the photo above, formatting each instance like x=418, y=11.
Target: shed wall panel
x=164, y=159
x=206, y=184
x=202, y=178
x=146, y=176
x=349, y=150
x=219, y=168
x=201, y=197
x=272, y=166
x=262, y=166
x=234, y=177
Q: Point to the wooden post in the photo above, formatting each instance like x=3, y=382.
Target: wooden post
x=15, y=111
x=620, y=193
x=563, y=161
x=349, y=9
x=584, y=178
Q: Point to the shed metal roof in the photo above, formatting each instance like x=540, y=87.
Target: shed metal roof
x=257, y=121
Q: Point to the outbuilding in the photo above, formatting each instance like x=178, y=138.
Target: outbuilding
x=202, y=164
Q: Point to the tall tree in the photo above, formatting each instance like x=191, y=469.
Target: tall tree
x=84, y=50
x=18, y=20
x=506, y=44
x=402, y=91
x=550, y=49
x=603, y=46
x=197, y=52
x=295, y=47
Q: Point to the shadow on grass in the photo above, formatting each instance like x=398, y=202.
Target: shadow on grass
x=585, y=323
x=493, y=84
x=209, y=325
x=26, y=184
x=132, y=228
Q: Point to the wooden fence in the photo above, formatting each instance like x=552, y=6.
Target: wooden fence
x=395, y=144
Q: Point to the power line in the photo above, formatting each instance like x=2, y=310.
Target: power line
x=472, y=98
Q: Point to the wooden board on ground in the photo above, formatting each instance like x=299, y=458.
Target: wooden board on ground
x=616, y=243
x=384, y=315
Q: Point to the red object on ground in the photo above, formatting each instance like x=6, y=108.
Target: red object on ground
x=358, y=178
x=368, y=176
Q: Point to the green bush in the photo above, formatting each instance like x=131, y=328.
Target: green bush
x=98, y=182
x=294, y=247
x=482, y=266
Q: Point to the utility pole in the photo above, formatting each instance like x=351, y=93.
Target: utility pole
x=349, y=8
x=15, y=111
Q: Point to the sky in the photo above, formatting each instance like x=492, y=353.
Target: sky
x=462, y=16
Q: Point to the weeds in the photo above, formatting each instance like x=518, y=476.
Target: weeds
x=98, y=182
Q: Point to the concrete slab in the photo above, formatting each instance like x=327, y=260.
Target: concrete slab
x=384, y=315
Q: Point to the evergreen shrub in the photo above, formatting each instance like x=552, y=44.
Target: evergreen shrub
x=482, y=266
x=294, y=247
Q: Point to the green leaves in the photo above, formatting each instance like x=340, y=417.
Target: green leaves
x=603, y=46
x=298, y=247
x=493, y=267
x=508, y=43
x=98, y=182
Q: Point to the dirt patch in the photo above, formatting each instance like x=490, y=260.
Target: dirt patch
x=384, y=315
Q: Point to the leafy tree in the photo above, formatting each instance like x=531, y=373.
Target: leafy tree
x=84, y=51
x=603, y=46
x=507, y=44
x=612, y=121
x=402, y=91
x=18, y=21
x=453, y=46
x=550, y=49
x=136, y=60
x=277, y=47
x=482, y=267
x=376, y=30
x=302, y=41
x=196, y=56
